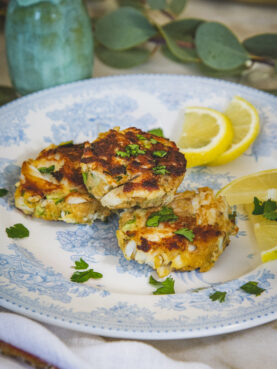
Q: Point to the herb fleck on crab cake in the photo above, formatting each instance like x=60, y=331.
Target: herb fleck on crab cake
x=131, y=168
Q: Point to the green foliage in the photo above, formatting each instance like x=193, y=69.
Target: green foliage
x=157, y=4
x=177, y=6
x=262, y=45
x=122, y=59
x=183, y=53
x=124, y=28
x=218, y=47
x=121, y=36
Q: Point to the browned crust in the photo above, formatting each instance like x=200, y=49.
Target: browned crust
x=71, y=171
x=102, y=155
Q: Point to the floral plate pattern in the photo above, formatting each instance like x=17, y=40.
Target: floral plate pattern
x=35, y=271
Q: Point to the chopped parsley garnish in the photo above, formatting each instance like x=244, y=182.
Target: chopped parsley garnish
x=160, y=153
x=3, y=192
x=188, y=233
x=218, y=296
x=163, y=288
x=141, y=137
x=47, y=169
x=131, y=221
x=156, y=132
x=252, y=288
x=153, y=141
x=57, y=201
x=130, y=150
x=81, y=277
x=17, y=231
x=85, y=177
x=232, y=216
x=160, y=169
x=266, y=208
x=164, y=215
x=118, y=178
x=122, y=154
x=80, y=264
x=66, y=143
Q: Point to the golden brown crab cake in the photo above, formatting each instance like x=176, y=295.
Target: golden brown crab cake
x=51, y=187
x=189, y=233
x=131, y=168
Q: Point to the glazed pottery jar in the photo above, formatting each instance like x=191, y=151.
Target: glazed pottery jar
x=48, y=43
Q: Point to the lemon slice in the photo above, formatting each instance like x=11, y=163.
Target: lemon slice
x=242, y=190
x=266, y=234
x=246, y=125
x=206, y=134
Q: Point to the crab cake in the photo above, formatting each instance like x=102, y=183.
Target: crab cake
x=189, y=233
x=131, y=168
x=51, y=187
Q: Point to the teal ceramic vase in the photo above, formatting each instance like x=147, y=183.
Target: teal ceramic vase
x=48, y=43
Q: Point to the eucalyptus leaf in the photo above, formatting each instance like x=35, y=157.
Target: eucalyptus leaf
x=182, y=28
x=218, y=47
x=168, y=54
x=7, y=94
x=182, y=53
x=219, y=73
x=177, y=6
x=123, y=29
x=122, y=59
x=157, y=4
x=134, y=3
x=262, y=45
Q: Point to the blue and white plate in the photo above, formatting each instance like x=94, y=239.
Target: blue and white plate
x=35, y=271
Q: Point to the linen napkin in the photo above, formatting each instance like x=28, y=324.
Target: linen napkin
x=83, y=351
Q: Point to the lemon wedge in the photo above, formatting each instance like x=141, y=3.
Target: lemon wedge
x=265, y=233
x=246, y=125
x=206, y=134
x=262, y=185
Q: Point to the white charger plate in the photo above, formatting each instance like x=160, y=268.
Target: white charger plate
x=35, y=271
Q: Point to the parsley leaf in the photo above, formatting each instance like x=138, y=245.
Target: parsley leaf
x=47, y=169
x=66, y=143
x=85, y=177
x=252, y=288
x=81, y=277
x=141, y=137
x=258, y=207
x=17, y=231
x=232, y=216
x=166, y=214
x=188, y=233
x=156, y=132
x=122, y=154
x=160, y=169
x=267, y=208
x=81, y=264
x=3, y=192
x=118, y=178
x=153, y=141
x=130, y=150
x=131, y=221
x=218, y=295
x=164, y=288
x=159, y=153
